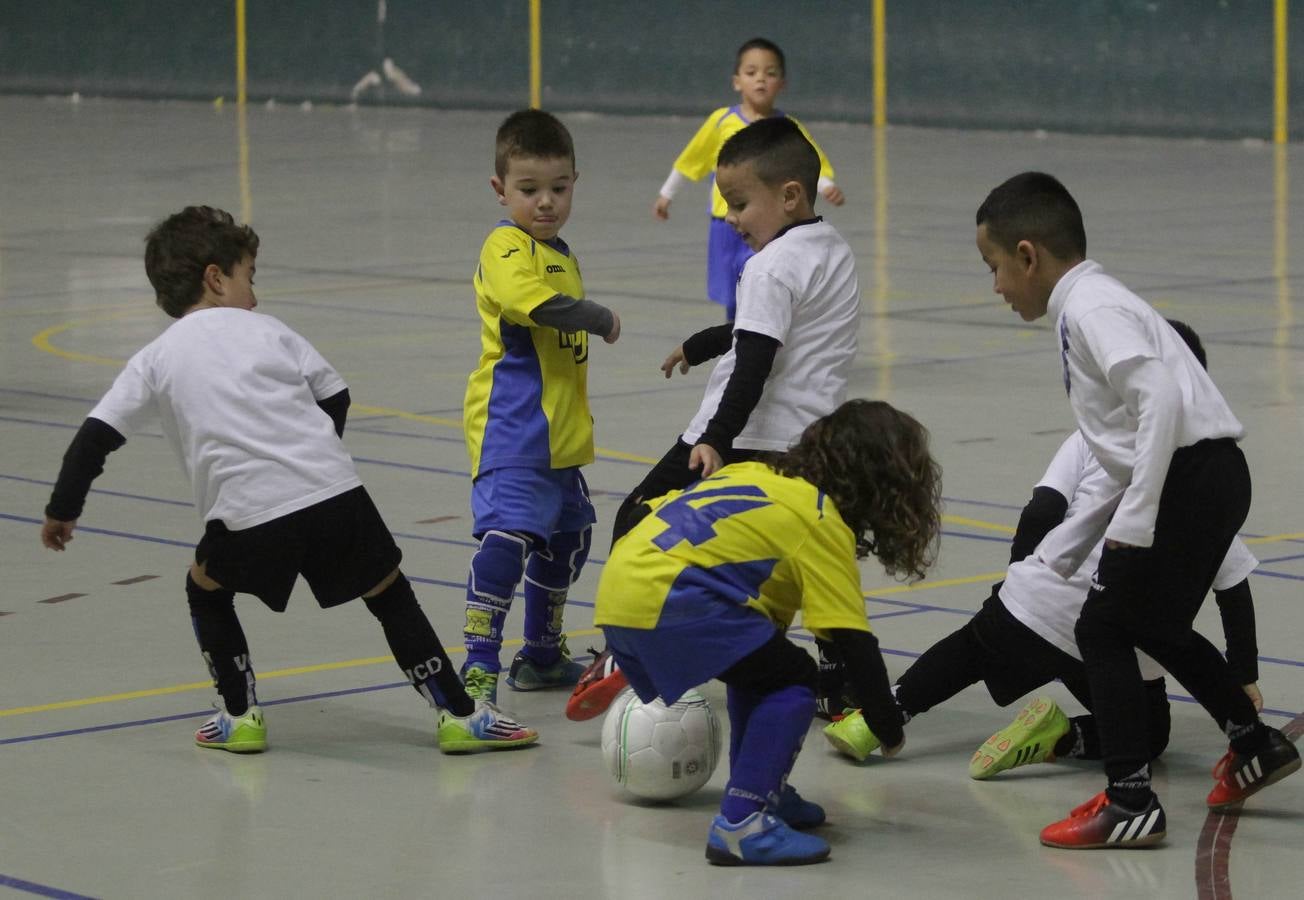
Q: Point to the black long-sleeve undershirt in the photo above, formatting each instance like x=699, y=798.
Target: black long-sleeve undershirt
x=1042, y=513
x=753, y=359
x=867, y=676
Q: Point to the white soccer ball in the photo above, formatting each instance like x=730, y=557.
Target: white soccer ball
x=661, y=752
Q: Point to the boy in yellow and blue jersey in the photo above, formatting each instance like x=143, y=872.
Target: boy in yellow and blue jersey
x=759, y=77
x=707, y=583
x=526, y=412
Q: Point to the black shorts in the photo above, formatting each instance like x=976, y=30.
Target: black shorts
x=1015, y=660
x=341, y=546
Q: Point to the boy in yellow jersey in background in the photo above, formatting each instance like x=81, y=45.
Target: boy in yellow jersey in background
x=526, y=412
x=759, y=77
x=706, y=584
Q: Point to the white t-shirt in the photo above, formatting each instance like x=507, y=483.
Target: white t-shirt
x=1050, y=605
x=1116, y=350
x=236, y=392
x=801, y=290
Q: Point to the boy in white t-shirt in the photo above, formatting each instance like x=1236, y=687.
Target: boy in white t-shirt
x=255, y=415
x=1180, y=490
x=1023, y=637
x=786, y=356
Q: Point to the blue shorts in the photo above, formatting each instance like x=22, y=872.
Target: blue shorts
x=672, y=658
x=537, y=502
x=725, y=255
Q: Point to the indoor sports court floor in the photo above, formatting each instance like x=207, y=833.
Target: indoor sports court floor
x=370, y=222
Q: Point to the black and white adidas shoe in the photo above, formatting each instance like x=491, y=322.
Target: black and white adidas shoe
x=1101, y=823
x=1240, y=776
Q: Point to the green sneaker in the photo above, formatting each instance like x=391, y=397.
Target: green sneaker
x=235, y=734
x=1030, y=738
x=850, y=735
x=481, y=682
x=487, y=728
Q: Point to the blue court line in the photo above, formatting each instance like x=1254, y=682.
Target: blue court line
x=89, y=401
x=1277, y=559
x=40, y=890
x=105, y=493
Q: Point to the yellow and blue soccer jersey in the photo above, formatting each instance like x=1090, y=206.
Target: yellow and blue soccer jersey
x=698, y=158
x=745, y=536
x=527, y=402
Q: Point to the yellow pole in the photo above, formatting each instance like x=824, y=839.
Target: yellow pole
x=536, y=54
x=240, y=48
x=1279, y=64
x=241, y=116
x=880, y=61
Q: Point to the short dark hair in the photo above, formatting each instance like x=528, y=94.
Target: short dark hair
x=1187, y=333
x=778, y=152
x=1034, y=206
x=760, y=43
x=531, y=133
x=182, y=246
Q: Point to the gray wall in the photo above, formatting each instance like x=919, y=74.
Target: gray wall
x=1118, y=66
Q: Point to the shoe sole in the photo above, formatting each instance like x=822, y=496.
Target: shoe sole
x=595, y=700
x=482, y=746
x=999, y=758
x=1233, y=805
x=718, y=857
x=235, y=746
x=1148, y=841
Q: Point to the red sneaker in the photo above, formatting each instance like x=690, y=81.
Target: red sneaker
x=1239, y=776
x=599, y=684
x=1102, y=823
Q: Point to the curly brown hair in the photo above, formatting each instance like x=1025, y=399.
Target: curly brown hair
x=873, y=461
x=180, y=248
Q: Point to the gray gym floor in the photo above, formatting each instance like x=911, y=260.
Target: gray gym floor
x=370, y=222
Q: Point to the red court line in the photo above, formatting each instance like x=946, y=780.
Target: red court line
x=136, y=580
x=1214, y=849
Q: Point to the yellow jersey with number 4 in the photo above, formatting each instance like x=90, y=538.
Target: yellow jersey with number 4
x=745, y=536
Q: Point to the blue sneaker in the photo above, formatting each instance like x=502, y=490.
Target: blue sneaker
x=761, y=839
x=796, y=811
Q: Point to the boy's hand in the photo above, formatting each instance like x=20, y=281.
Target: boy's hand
x=834, y=195
x=56, y=534
x=661, y=209
x=889, y=752
x=614, y=334
x=704, y=457
x=1252, y=691
x=676, y=358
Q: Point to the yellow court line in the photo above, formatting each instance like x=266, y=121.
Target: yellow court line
x=41, y=340
x=977, y=523
x=1274, y=538
x=276, y=673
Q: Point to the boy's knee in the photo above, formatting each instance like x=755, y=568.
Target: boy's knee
x=199, y=575
x=498, y=566
x=558, y=566
x=207, y=600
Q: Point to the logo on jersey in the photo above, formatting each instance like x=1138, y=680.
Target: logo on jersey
x=554, y=269
x=510, y=252
x=577, y=342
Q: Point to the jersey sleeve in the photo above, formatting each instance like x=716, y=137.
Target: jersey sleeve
x=764, y=304
x=825, y=566
x=1236, y=566
x=697, y=159
x=129, y=404
x=1113, y=335
x=826, y=167
x=1068, y=466
x=508, y=278
x=321, y=376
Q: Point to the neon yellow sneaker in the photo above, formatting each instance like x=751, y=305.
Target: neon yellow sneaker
x=1030, y=738
x=487, y=728
x=850, y=735
x=235, y=734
